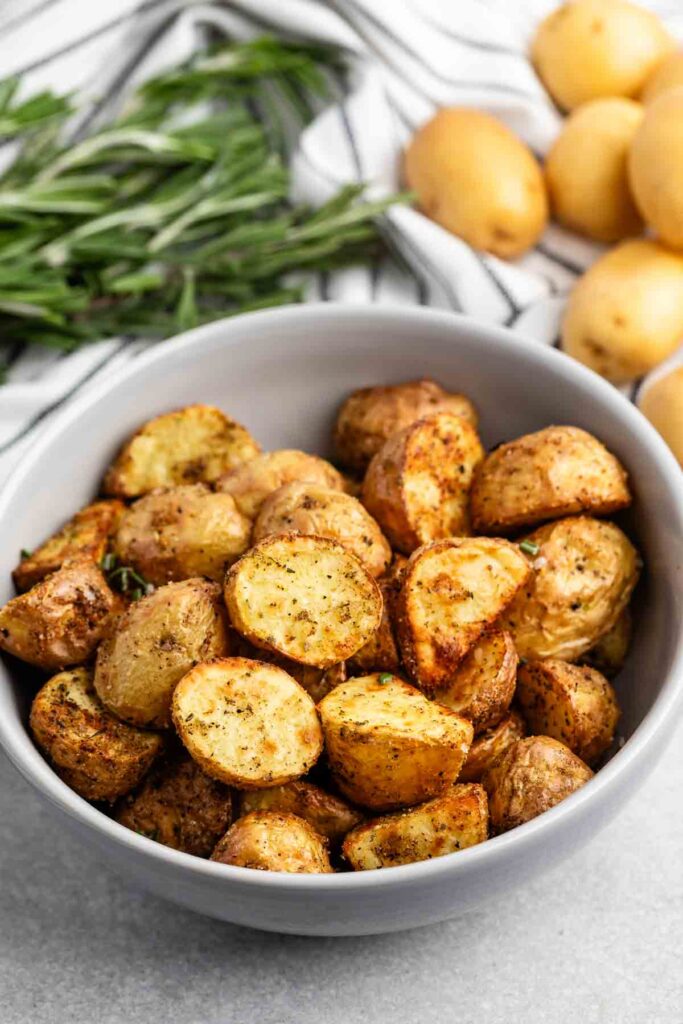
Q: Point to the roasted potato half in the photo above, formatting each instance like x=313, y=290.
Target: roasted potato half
x=417, y=485
x=190, y=445
x=387, y=745
x=97, y=755
x=488, y=748
x=453, y=821
x=327, y=814
x=609, y=653
x=483, y=685
x=273, y=841
x=247, y=723
x=552, y=473
x=380, y=653
x=251, y=483
x=317, y=682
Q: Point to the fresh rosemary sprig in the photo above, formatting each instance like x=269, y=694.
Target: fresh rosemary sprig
x=124, y=578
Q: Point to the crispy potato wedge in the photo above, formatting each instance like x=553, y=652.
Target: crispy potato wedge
x=488, y=748
x=552, y=473
x=96, y=754
x=273, y=841
x=175, y=534
x=370, y=416
x=453, y=821
x=327, y=814
x=452, y=591
x=387, y=745
x=197, y=443
x=251, y=483
x=609, y=653
x=157, y=640
x=307, y=598
x=417, y=485
x=247, y=723
x=380, y=653
x=483, y=685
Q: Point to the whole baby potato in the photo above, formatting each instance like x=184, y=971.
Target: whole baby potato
x=656, y=167
x=662, y=403
x=274, y=841
x=251, y=483
x=478, y=180
x=488, y=748
x=666, y=76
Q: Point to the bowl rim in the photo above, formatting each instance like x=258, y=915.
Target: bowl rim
x=33, y=767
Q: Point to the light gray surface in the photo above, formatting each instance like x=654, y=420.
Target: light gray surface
x=598, y=940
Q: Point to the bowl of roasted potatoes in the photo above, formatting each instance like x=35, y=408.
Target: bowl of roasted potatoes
x=340, y=620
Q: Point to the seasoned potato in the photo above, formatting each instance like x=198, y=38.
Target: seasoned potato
x=96, y=754
x=533, y=775
x=251, y=483
x=190, y=445
x=655, y=167
x=174, y=534
x=271, y=841
x=307, y=598
x=370, y=416
x=488, y=748
x=247, y=723
x=327, y=814
x=571, y=703
x=317, y=682
x=453, y=821
x=666, y=76
x=387, y=745
x=585, y=572
x=306, y=508
x=380, y=653
x=483, y=685
x=662, y=403
x=86, y=536
x=452, y=591
x=551, y=473
x=157, y=640
x=609, y=653
x=61, y=620
x=179, y=806
x=417, y=486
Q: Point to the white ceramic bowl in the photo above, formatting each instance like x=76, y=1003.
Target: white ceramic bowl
x=283, y=373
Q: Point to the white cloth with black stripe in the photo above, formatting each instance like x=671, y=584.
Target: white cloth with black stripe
x=408, y=57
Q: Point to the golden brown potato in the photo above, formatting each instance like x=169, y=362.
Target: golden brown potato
x=179, y=806
x=307, y=598
x=551, y=473
x=585, y=572
x=417, y=486
x=387, y=745
x=662, y=403
x=327, y=814
x=370, y=416
x=86, y=535
x=452, y=591
x=174, y=534
x=306, y=508
x=483, y=684
x=190, y=445
x=247, y=723
x=609, y=653
x=251, y=483
x=61, y=620
x=380, y=653
x=572, y=703
x=533, y=775
x=666, y=76
x=488, y=748
x=453, y=821
x=157, y=640
x=96, y=754
x=654, y=167
x=317, y=682
x=271, y=841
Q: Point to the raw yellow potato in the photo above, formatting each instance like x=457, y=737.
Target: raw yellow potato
x=307, y=598
x=247, y=723
x=190, y=445
x=585, y=572
x=478, y=180
x=533, y=775
x=380, y=653
x=179, y=806
x=609, y=653
x=586, y=170
x=586, y=49
x=176, y=533
x=327, y=814
x=156, y=641
x=251, y=483
x=271, y=841
x=61, y=620
x=306, y=508
x=483, y=685
x=656, y=167
x=370, y=416
x=625, y=315
x=452, y=591
x=662, y=403
x=571, y=703
x=488, y=748
x=666, y=76
x=417, y=485
x=387, y=745
x=451, y=822
x=553, y=472
x=96, y=754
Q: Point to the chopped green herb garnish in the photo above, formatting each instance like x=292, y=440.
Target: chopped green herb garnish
x=529, y=548
x=385, y=677
x=25, y=554
x=124, y=578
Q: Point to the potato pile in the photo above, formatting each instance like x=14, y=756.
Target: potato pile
x=248, y=663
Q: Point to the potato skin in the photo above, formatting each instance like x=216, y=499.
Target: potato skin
x=317, y=682
x=551, y=473
x=96, y=754
x=453, y=821
x=251, y=483
x=533, y=775
x=654, y=167
x=272, y=841
x=381, y=653
x=327, y=814
x=662, y=403
x=483, y=685
x=488, y=748
x=609, y=653
x=667, y=75
x=370, y=416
